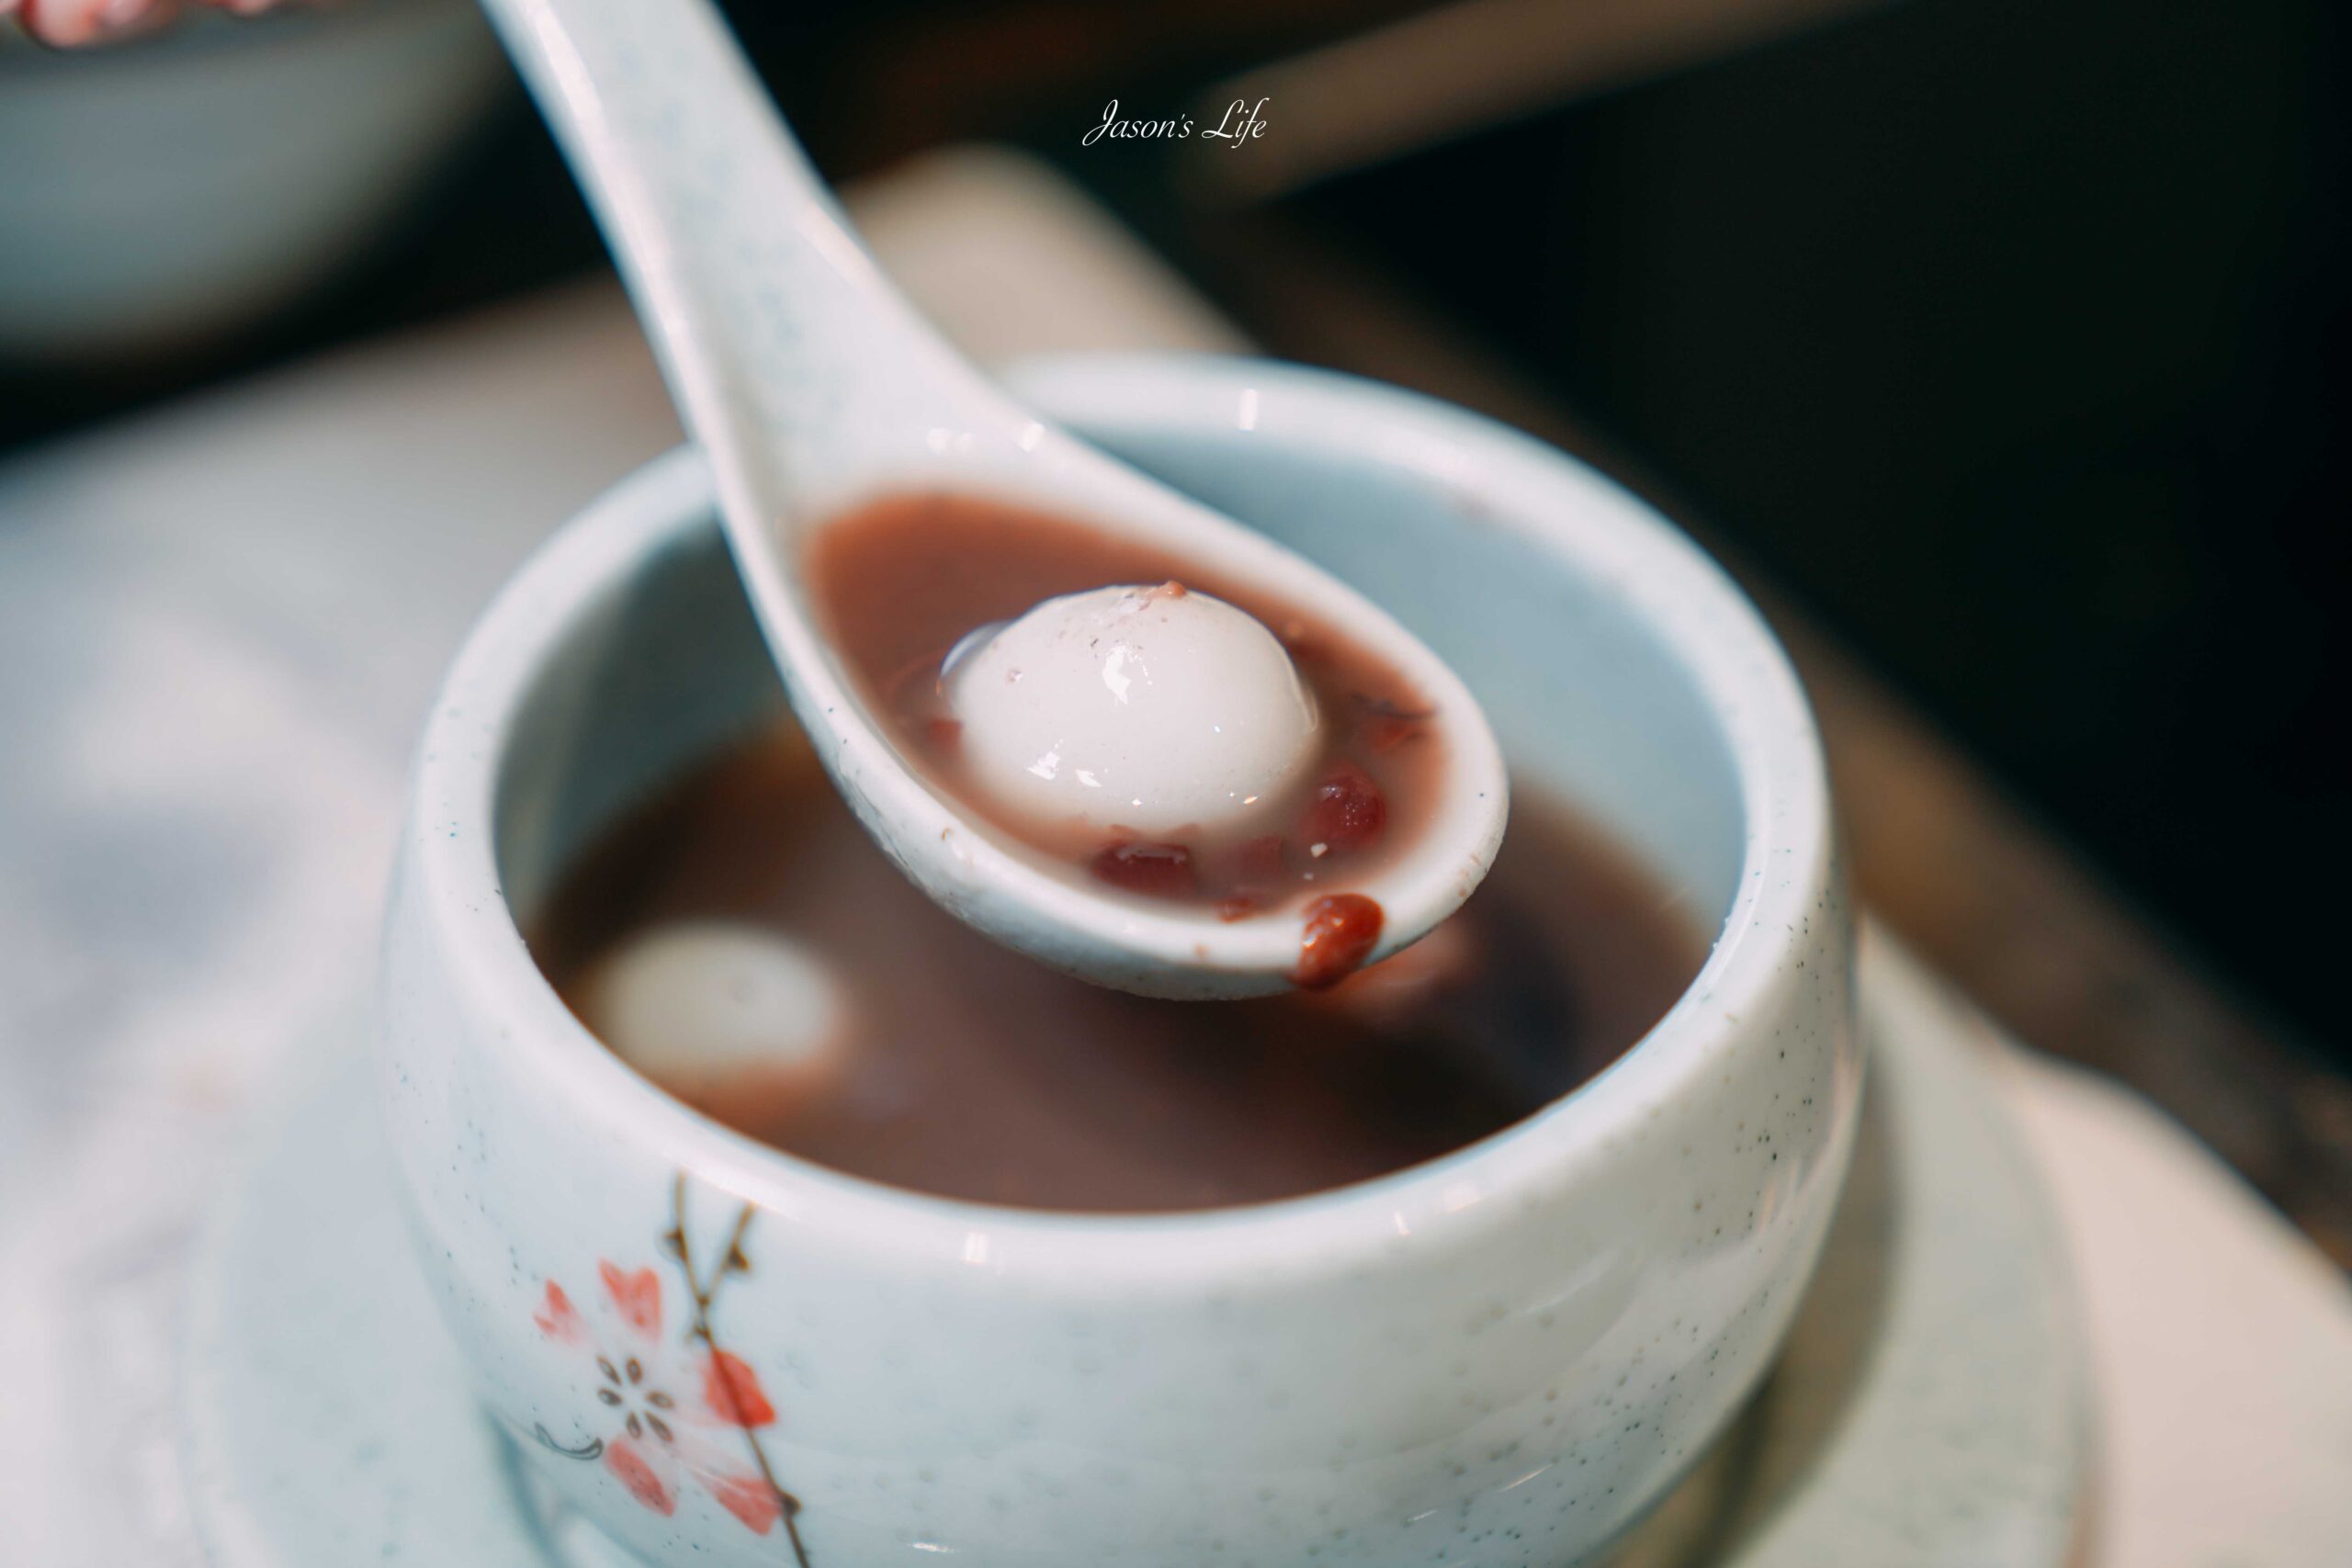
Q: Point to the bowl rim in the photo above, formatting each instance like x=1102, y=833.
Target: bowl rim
x=1734, y=664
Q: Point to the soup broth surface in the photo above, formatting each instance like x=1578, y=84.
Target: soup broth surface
x=961, y=1069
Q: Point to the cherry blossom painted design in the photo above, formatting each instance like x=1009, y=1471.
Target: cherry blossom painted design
x=674, y=1406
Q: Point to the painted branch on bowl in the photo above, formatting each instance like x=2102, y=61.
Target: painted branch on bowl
x=671, y=1398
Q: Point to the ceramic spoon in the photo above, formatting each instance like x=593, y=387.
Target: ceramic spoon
x=811, y=384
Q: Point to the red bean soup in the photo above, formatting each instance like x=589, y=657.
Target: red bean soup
x=955, y=1067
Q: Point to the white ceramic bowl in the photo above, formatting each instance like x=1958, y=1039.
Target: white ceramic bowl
x=176, y=186
x=1499, y=1357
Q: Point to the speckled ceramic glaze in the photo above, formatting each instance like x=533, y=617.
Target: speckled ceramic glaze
x=1926, y=1410
x=1501, y=1356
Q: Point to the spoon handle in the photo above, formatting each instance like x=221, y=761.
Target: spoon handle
x=795, y=364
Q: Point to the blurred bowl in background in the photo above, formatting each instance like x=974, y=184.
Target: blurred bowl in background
x=162, y=191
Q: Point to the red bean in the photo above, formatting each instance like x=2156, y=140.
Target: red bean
x=1342, y=930
x=1155, y=871
x=1346, y=812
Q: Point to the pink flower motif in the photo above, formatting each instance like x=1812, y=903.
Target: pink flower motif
x=672, y=1405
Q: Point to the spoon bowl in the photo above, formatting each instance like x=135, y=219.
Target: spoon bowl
x=812, y=386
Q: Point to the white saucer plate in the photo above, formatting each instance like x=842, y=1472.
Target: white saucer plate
x=1929, y=1409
